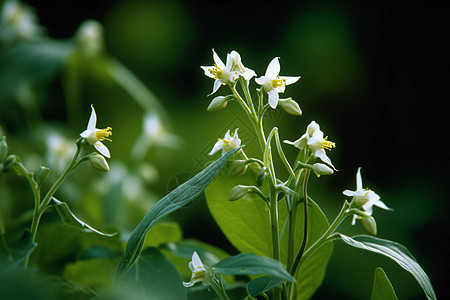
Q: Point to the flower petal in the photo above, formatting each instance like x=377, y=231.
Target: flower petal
x=92, y=119
x=217, y=60
x=217, y=146
x=290, y=79
x=359, y=185
x=273, y=69
x=102, y=149
x=273, y=98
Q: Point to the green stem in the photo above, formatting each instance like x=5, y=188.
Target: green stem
x=40, y=207
x=324, y=238
x=217, y=285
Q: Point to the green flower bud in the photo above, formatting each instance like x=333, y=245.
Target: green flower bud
x=3, y=149
x=238, y=192
x=41, y=175
x=238, y=168
x=9, y=162
x=370, y=224
x=218, y=103
x=290, y=106
x=98, y=162
x=261, y=176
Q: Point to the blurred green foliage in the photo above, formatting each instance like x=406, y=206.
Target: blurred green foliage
x=349, y=63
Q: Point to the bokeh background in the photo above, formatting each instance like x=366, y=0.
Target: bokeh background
x=372, y=76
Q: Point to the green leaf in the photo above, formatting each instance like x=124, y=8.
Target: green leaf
x=263, y=284
x=31, y=62
x=21, y=248
x=92, y=272
x=382, y=288
x=246, y=224
x=396, y=252
x=163, y=233
x=70, y=219
x=173, y=201
x=155, y=276
x=252, y=264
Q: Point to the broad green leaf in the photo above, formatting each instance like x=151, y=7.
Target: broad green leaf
x=397, y=253
x=70, y=219
x=155, y=277
x=246, y=224
x=382, y=288
x=173, y=201
x=23, y=248
x=92, y=272
x=252, y=264
x=263, y=284
x=163, y=233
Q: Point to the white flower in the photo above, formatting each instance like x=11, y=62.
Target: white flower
x=153, y=133
x=95, y=136
x=239, y=67
x=313, y=138
x=364, y=197
x=199, y=272
x=223, y=74
x=229, y=142
x=60, y=151
x=18, y=21
x=274, y=84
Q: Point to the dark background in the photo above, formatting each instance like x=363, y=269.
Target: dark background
x=373, y=75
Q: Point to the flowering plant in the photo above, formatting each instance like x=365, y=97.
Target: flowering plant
x=260, y=201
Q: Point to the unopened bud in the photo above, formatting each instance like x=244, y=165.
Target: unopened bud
x=290, y=106
x=98, y=162
x=321, y=169
x=90, y=37
x=238, y=192
x=9, y=162
x=238, y=168
x=370, y=224
x=3, y=149
x=218, y=103
x=261, y=176
x=41, y=175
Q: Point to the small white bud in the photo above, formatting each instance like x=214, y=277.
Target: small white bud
x=98, y=162
x=218, y=103
x=321, y=169
x=290, y=106
x=90, y=37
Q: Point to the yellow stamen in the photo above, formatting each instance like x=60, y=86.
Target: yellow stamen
x=327, y=145
x=103, y=134
x=278, y=82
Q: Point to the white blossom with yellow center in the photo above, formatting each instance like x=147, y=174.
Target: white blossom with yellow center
x=95, y=136
x=273, y=84
x=222, y=73
x=199, y=272
x=314, y=140
x=228, y=143
x=364, y=197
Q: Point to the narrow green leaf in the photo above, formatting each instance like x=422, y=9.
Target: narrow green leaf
x=382, y=288
x=397, y=253
x=252, y=264
x=69, y=218
x=263, y=284
x=173, y=201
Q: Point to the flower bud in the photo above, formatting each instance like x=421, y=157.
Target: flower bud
x=3, y=149
x=321, y=169
x=9, y=162
x=290, y=106
x=261, y=176
x=90, y=37
x=370, y=224
x=218, y=103
x=98, y=162
x=238, y=192
x=41, y=175
x=238, y=168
